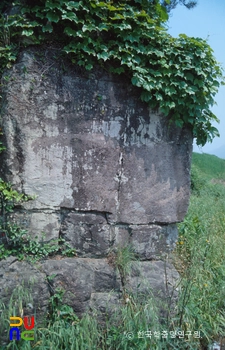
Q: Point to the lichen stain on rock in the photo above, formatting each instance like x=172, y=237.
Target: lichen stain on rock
x=51, y=112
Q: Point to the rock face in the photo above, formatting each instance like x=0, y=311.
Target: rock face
x=105, y=170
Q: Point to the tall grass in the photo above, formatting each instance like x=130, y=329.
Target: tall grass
x=200, y=252
x=135, y=326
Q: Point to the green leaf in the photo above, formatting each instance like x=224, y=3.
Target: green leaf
x=159, y=97
x=146, y=96
x=103, y=26
x=27, y=32
x=51, y=5
x=135, y=80
x=189, y=76
x=117, y=70
x=71, y=16
x=113, y=8
x=165, y=110
x=89, y=66
x=179, y=123
x=47, y=28
x=162, y=12
x=103, y=55
x=71, y=5
x=171, y=104
x=88, y=28
x=71, y=32
x=52, y=17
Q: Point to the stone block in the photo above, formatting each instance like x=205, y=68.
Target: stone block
x=80, y=277
x=32, y=281
x=43, y=224
x=151, y=242
x=88, y=233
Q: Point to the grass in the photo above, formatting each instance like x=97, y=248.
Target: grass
x=200, y=259
x=210, y=166
x=200, y=252
x=134, y=326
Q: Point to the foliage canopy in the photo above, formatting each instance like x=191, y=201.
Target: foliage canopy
x=178, y=76
x=171, y=4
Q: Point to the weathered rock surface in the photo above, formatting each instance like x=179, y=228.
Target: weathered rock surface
x=106, y=171
x=15, y=274
x=89, y=284
x=82, y=278
x=85, y=143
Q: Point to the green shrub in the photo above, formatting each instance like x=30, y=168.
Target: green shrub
x=197, y=180
x=178, y=76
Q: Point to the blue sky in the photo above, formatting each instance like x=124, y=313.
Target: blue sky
x=207, y=21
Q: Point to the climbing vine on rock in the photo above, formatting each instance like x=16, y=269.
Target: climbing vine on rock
x=13, y=239
x=179, y=76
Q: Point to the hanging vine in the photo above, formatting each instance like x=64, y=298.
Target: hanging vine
x=178, y=76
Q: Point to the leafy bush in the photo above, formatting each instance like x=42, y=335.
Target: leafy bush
x=178, y=76
x=18, y=243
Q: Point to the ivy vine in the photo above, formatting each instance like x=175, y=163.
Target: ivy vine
x=178, y=76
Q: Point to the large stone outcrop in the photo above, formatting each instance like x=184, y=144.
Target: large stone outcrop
x=105, y=170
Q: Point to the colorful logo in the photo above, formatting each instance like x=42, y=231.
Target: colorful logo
x=28, y=322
